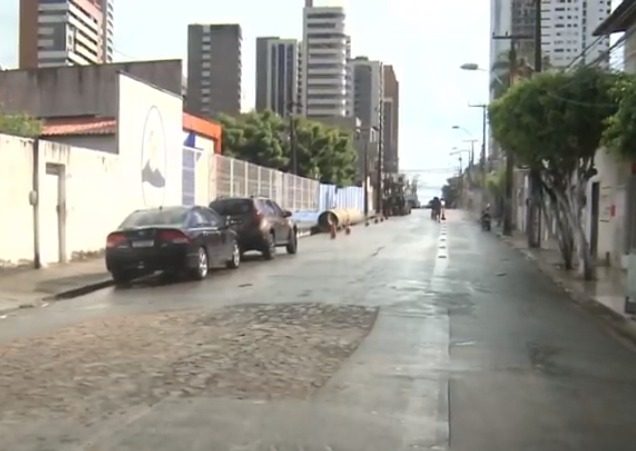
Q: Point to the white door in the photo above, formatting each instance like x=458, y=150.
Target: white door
x=49, y=217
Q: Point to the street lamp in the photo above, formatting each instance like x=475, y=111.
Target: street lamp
x=475, y=67
x=471, y=140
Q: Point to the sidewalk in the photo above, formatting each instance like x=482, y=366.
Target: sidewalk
x=24, y=288
x=27, y=288
x=605, y=296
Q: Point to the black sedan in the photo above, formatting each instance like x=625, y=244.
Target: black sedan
x=171, y=239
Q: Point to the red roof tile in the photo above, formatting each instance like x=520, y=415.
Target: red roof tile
x=79, y=126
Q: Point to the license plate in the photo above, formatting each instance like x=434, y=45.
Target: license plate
x=144, y=243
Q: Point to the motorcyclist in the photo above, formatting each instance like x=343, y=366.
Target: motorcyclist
x=436, y=207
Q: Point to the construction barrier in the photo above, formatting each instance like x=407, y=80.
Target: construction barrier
x=340, y=218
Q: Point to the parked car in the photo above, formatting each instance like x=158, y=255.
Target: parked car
x=261, y=224
x=175, y=240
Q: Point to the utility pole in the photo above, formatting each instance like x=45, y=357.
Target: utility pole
x=510, y=163
x=482, y=157
x=293, y=144
x=533, y=218
x=379, y=178
x=472, y=150
x=365, y=133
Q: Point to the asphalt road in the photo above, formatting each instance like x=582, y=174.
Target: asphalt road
x=473, y=349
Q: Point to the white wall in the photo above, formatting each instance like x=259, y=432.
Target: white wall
x=204, y=147
x=149, y=133
x=16, y=226
x=85, y=193
x=612, y=180
x=84, y=187
x=105, y=143
x=89, y=180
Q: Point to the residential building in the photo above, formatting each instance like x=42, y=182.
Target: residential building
x=391, y=121
x=81, y=90
x=567, y=31
x=610, y=213
x=65, y=32
x=214, y=69
x=523, y=23
x=277, y=75
x=324, y=62
x=367, y=96
x=500, y=23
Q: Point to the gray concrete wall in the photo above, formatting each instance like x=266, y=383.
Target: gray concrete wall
x=80, y=90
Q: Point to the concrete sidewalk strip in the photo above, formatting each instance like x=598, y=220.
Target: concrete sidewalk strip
x=28, y=288
x=604, y=297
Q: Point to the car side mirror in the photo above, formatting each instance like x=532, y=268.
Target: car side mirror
x=287, y=214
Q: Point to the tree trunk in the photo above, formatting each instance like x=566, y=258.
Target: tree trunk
x=587, y=267
x=559, y=207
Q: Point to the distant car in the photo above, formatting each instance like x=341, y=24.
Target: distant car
x=260, y=223
x=175, y=240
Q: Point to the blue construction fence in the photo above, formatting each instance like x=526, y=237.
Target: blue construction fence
x=329, y=197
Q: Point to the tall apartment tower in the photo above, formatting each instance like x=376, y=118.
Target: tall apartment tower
x=567, y=31
x=277, y=75
x=366, y=104
x=324, y=62
x=368, y=90
x=65, y=32
x=214, y=69
x=391, y=120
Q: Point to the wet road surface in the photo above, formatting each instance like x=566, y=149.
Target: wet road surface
x=472, y=349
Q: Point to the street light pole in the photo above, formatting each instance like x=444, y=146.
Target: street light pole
x=365, y=133
x=533, y=217
x=292, y=138
x=482, y=158
x=378, y=194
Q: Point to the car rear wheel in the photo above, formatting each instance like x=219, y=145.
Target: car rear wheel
x=121, y=278
x=292, y=242
x=235, y=259
x=203, y=267
x=269, y=248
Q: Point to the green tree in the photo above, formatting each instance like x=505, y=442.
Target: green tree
x=323, y=152
x=258, y=138
x=553, y=123
x=450, y=191
x=620, y=134
x=20, y=124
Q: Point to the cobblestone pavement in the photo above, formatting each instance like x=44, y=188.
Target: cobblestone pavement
x=97, y=368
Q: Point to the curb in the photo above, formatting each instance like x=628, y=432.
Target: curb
x=92, y=287
x=619, y=326
x=80, y=291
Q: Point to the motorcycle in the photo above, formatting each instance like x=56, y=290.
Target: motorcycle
x=485, y=221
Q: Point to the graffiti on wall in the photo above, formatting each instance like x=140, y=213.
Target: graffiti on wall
x=154, y=159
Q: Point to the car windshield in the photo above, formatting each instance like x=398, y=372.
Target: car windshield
x=156, y=217
x=232, y=207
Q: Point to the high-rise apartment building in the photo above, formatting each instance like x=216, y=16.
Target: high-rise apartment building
x=324, y=69
x=366, y=100
x=214, y=69
x=368, y=90
x=277, y=75
x=390, y=120
x=567, y=31
x=65, y=32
